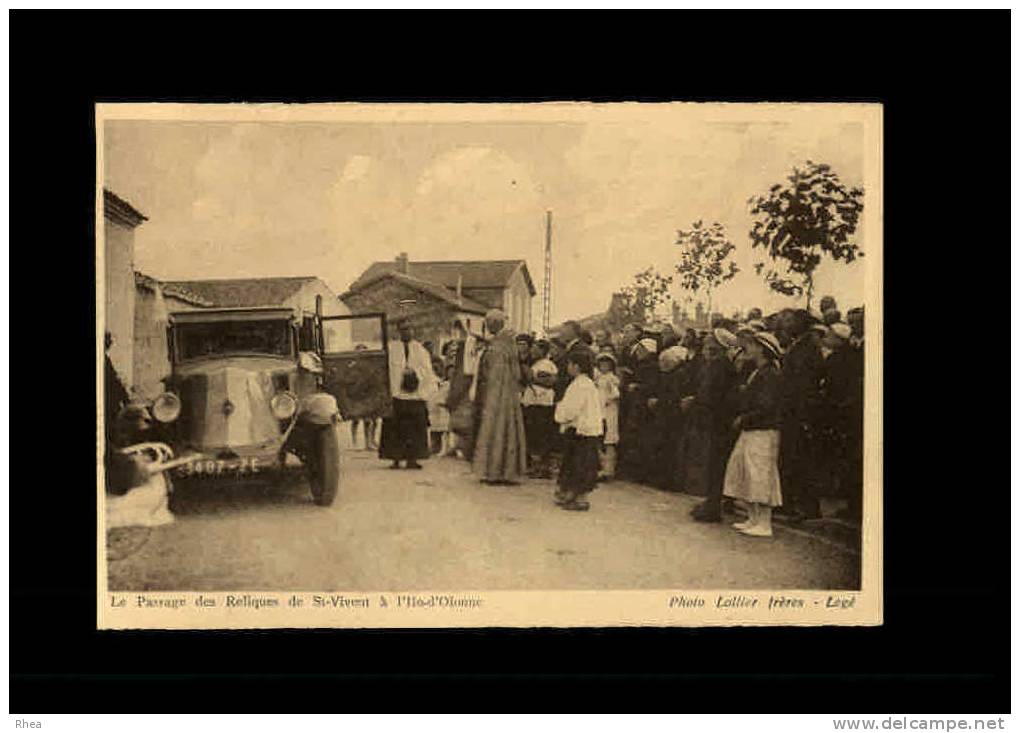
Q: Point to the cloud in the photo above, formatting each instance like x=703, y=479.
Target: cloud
x=270, y=199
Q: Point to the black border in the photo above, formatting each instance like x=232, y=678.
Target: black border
x=942, y=77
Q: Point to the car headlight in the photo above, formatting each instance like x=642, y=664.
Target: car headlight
x=283, y=405
x=166, y=407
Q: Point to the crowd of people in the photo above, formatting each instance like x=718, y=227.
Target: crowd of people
x=764, y=411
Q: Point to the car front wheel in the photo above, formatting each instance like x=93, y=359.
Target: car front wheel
x=323, y=465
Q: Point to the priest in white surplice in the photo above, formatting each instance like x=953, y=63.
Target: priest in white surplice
x=412, y=381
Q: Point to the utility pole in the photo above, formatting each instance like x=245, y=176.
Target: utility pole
x=547, y=286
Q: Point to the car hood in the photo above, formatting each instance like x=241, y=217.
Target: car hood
x=225, y=403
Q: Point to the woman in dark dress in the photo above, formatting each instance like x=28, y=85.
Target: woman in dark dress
x=675, y=370
x=708, y=425
x=639, y=435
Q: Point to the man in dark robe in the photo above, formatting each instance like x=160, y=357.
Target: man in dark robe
x=404, y=435
x=802, y=374
x=500, y=451
x=674, y=384
x=638, y=433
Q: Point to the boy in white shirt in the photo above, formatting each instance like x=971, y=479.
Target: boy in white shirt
x=579, y=415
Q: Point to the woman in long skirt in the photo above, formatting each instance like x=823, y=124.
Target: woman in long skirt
x=752, y=473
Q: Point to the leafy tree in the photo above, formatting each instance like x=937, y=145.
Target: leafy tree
x=815, y=214
x=639, y=300
x=703, y=265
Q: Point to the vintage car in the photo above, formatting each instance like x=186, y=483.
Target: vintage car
x=251, y=389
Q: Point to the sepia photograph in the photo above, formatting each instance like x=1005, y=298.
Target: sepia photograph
x=456, y=365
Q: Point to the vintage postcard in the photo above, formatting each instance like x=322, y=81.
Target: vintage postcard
x=488, y=365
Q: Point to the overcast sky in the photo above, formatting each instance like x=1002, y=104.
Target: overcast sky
x=247, y=199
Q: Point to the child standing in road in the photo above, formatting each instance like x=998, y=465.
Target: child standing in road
x=439, y=415
x=579, y=415
x=609, y=392
x=537, y=401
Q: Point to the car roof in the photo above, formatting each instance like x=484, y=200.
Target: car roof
x=210, y=315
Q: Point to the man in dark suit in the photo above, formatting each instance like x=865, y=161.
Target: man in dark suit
x=802, y=374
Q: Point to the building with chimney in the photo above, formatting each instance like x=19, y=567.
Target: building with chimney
x=433, y=294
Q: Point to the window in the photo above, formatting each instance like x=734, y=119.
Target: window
x=222, y=338
x=352, y=334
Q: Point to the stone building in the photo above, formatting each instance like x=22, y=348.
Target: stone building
x=448, y=285
x=430, y=308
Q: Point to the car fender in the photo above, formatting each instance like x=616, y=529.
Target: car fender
x=319, y=409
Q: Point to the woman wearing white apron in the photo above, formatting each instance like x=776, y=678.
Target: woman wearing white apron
x=752, y=473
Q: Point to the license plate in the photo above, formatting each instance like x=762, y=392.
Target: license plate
x=222, y=467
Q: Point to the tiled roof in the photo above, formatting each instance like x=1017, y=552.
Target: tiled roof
x=145, y=281
x=438, y=291
x=473, y=273
x=119, y=210
x=243, y=293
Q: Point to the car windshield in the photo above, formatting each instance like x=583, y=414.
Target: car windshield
x=197, y=340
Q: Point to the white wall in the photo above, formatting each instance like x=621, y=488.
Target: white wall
x=517, y=303
x=151, y=360
x=119, y=253
x=305, y=299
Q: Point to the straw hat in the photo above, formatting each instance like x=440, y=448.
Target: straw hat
x=648, y=345
x=605, y=356
x=727, y=339
x=770, y=342
x=840, y=330
x=672, y=357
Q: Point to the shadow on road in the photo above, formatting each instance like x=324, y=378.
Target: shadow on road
x=223, y=496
